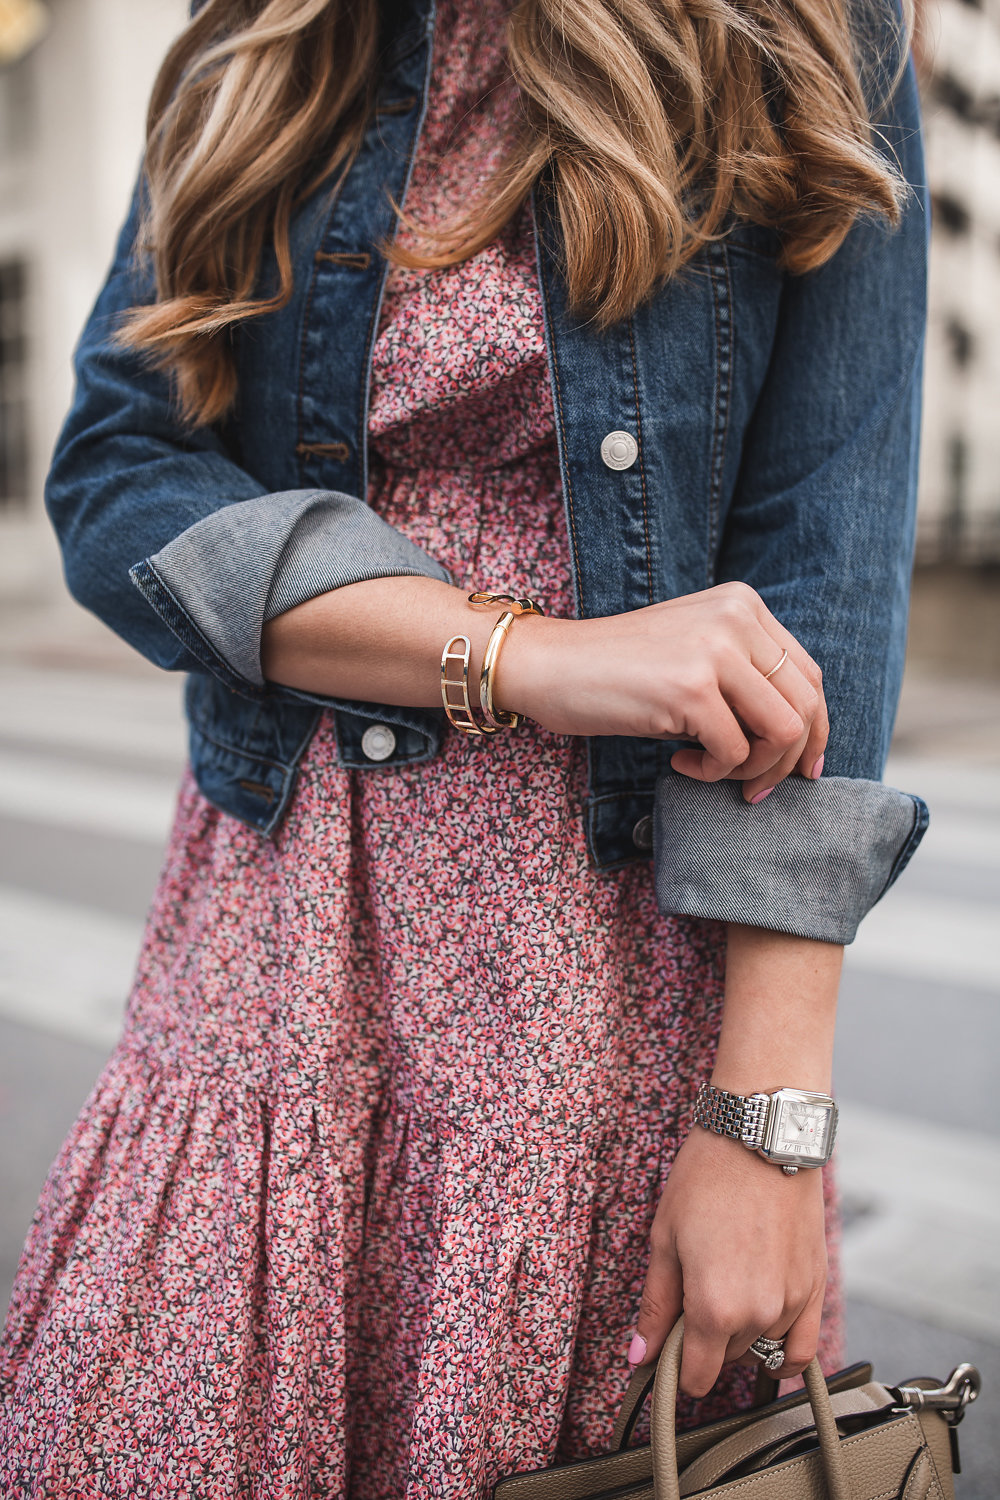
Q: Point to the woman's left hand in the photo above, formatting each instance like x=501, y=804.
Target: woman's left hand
x=740, y=1248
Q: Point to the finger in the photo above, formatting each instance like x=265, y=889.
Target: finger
x=739, y=1350
x=758, y=699
x=771, y=704
x=799, y=1327
x=805, y=670
x=776, y=751
x=767, y=655
x=806, y=759
x=758, y=787
x=786, y=641
x=704, y=1354
x=766, y=648
x=721, y=743
x=742, y=703
x=700, y=765
x=803, y=1336
x=811, y=760
x=659, y=1308
x=777, y=723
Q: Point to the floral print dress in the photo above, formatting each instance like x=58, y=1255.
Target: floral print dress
x=360, y=1204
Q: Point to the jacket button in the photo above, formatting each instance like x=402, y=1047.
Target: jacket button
x=378, y=742
x=642, y=833
x=619, y=450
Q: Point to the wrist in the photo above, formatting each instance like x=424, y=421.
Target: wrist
x=743, y=1076
x=526, y=675
x=730, y=1162
x=790, y=1126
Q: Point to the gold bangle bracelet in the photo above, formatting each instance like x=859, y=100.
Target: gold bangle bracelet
x=498, y=718
x=455, y=689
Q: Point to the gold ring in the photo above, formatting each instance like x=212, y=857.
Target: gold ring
x=781, y=663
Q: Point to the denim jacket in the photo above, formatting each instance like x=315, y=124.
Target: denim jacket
x=774, y=424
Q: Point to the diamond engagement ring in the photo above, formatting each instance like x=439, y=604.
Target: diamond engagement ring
x=770, y=1352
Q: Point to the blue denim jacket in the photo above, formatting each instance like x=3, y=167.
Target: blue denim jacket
x=775, y=421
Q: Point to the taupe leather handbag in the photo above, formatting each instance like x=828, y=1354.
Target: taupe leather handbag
x=848, y=1438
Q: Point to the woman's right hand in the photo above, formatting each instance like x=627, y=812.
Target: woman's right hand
x=689, y=668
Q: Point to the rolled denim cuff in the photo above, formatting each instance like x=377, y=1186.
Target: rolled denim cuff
x=252, y=560
x=811, y=859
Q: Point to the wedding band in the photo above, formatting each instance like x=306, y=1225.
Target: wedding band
x=770, y=1352
x=781, y=663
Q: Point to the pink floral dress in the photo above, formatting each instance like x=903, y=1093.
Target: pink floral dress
x=360, y=1205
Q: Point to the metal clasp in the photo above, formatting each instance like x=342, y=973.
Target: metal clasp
x=959, y=1391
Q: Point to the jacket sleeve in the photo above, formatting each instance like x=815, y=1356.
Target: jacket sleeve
x=822, y=525
x=166, y=537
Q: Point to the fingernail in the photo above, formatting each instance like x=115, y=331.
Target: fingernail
x=761, y=795
x=637, y=1349
x=817, y=769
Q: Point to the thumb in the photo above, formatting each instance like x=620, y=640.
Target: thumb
x=659, y=1309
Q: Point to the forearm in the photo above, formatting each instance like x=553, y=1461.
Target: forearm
x=379, y=641
x=779, y=1012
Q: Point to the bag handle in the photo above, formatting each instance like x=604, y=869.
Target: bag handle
x=665, y=1478
x=639, y=1388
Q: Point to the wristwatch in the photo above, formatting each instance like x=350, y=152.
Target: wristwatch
x=791, y=1127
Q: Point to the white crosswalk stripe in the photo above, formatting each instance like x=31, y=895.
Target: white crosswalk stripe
x=86, y=797
x=138, y=716
x=929, y=938
x=63, y=967
x=926, y=1241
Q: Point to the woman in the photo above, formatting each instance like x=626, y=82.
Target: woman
x=397, y=1133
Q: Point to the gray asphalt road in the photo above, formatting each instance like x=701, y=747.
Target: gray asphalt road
x=88, y=765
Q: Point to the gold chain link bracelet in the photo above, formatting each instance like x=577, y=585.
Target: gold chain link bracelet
x=455, y=689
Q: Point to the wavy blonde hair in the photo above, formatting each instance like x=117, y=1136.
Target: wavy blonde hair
x=654, y=122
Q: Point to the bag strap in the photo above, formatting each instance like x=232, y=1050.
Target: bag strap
x=639, y=1388
x=765, y=1393
x=665, y=1479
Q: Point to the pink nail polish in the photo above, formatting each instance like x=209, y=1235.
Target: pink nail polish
x=817, y=769
x=637, y=1349
x=761, y=795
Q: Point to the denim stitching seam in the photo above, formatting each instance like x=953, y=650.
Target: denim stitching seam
x=149, y=584
x=642, y=462
x=306, y=315
x=718, y=261
x=921, y=820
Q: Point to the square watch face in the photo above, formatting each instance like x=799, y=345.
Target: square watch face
x=800, y=1128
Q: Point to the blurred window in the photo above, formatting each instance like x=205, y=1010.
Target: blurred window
x=13, y=385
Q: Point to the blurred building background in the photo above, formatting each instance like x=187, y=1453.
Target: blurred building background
x=72, y=109
x=92, y=743
x=960, y=500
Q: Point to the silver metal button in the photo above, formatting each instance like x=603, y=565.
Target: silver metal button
x=619, y=450
x=642, y=833
x=378, y=742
